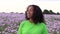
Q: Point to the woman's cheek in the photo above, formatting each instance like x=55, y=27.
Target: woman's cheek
x=28, y=16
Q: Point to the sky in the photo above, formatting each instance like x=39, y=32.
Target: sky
x=20, y=6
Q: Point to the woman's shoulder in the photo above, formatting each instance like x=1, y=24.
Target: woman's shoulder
x=43, y=24
x=24, y=21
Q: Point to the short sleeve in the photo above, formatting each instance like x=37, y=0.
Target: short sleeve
x=45, y=31
x=20, y=27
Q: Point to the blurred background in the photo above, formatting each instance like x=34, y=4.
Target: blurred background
x=12, y=12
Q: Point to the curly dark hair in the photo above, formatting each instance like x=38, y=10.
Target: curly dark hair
x=37, y=16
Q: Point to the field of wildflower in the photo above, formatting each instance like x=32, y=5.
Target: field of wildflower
x=9, y=23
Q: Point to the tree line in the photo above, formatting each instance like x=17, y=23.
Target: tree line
x=50, y=12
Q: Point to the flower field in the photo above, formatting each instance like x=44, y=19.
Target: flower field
x=9, y=23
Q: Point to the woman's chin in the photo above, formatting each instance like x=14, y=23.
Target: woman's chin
x=28, y=17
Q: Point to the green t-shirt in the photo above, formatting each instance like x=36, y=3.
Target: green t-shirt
x=30, y=28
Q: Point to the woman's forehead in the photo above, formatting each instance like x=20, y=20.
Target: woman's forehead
x=30, y=7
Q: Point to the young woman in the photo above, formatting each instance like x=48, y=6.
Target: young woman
x=34, y=23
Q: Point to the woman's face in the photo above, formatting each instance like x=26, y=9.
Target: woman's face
x=29, y=11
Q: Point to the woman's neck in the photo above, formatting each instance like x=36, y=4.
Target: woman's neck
x=30, y=20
